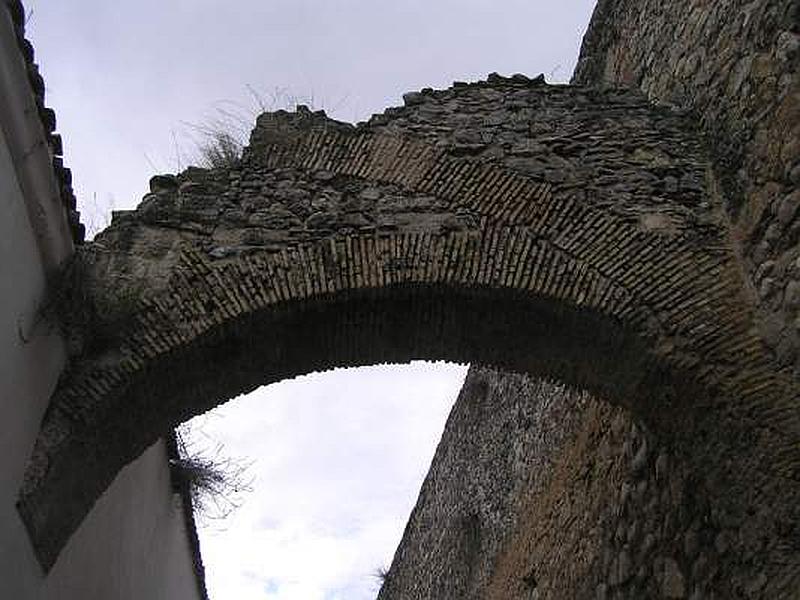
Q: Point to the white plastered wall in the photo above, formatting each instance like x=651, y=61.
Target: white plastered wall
x=134, y=542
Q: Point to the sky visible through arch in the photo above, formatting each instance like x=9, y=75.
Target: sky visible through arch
x=339, y=457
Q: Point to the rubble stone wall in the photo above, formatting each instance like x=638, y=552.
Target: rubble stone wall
x=540, y=492
x=734, y=67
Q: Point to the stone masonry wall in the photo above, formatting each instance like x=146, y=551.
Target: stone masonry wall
x=623, y=515
x=734, y=67
x=539, y=492
x=497, y=447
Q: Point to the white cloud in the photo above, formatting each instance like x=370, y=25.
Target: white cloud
x=338, y=461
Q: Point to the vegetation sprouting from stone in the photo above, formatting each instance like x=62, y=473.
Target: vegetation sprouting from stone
x=222, y=151
x=220, y=139
x=216, y=482
x=88, y=319
x=381, y=575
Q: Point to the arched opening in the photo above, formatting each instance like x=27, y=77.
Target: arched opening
x=335, y=462
x=415, y=252
x=353, y=329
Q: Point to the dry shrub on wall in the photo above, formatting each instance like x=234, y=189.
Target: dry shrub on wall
x=381, y=575
x=96, y=214
x=216, y=142
x=216, y=482
x=221, y=150
x=89, y=320
x=220, y=138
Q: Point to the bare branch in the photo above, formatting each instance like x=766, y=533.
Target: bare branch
x=216, y=482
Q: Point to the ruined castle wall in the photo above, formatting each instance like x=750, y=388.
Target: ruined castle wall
x=496, y=449
x=734, y=67
x=539, y=492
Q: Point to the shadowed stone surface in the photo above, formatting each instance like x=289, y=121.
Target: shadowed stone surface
x=540, y=492
x=734, y=67
x=565, y=232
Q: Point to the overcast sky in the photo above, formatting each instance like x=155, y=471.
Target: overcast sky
x=338, y=457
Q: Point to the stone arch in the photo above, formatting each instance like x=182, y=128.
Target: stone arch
x=425, y=241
